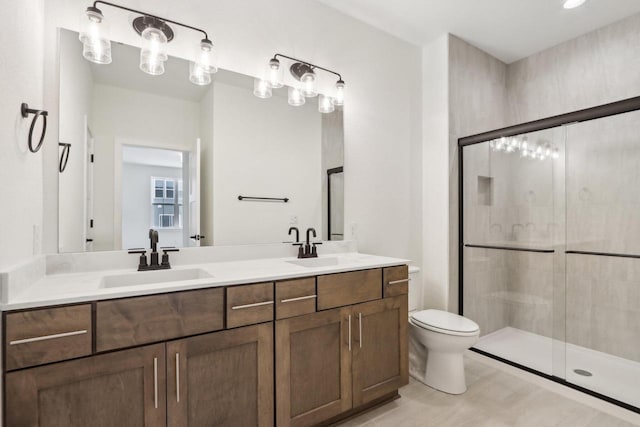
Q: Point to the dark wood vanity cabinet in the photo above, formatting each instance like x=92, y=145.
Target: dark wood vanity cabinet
x=124, y=389
x=336, y=361
x=313, y=367
x=380, y=358
x=210, y=357
x=221, y=379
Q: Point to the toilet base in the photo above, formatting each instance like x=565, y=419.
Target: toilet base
x=445, y=372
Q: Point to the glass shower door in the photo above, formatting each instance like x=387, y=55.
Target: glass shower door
x=603, y=256
x=513, y=271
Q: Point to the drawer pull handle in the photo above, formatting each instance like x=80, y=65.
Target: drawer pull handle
x=395, y=282
x=155, y=382
x=257, y=304
x=48, y=337
x=299, y=298
x=349, y=332
x=178, y=377
x=360, y=327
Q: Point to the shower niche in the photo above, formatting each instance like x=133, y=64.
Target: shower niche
x=550, y=247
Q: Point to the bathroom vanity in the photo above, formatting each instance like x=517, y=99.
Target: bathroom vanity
x=305, y=346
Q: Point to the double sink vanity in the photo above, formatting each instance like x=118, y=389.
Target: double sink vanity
x=263, y=341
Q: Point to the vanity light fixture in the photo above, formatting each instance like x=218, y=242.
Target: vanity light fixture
x=305, y=73
x=155, y=33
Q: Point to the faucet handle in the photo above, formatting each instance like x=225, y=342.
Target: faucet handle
x=300, y=249
x=142, y=264
x=165, y=255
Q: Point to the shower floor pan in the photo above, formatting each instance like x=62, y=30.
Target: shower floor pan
x=612, y=376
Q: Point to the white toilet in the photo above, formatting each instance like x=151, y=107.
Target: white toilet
x=437, y=341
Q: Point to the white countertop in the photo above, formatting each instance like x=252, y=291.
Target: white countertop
x=55, y=289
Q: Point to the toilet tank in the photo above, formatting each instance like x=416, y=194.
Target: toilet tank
x=415, y=288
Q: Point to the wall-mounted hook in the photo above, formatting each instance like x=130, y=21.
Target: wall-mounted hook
x=64, y=156
x=25, y=110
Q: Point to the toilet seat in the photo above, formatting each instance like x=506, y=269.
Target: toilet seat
x=445, y=323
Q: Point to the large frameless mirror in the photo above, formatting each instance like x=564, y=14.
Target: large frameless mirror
x=203, y=165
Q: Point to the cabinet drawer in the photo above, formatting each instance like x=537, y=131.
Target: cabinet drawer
x=249, y=304
x=395, y=281
x=295, y=297
x=133, y=321
x=35, y=337
x=336, y=290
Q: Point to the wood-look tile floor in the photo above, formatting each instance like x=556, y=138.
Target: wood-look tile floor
x=494, y=398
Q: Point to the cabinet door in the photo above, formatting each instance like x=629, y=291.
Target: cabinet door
x=222, y=379
x=313, y=367
x=380, y=353
x=124, y=389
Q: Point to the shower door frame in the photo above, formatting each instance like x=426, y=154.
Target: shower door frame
x=593, y=113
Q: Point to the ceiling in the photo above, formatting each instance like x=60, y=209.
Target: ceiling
x=507, y=29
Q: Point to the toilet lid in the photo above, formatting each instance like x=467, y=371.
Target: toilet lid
x=445, y=322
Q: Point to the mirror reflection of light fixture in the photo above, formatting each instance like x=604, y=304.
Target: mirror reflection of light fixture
x=305, y=73
x=94, y=35
x=262, y=88
x=296, y=98
x=325, y=104
x=155, y=33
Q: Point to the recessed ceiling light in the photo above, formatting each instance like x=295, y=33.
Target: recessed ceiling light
x=571, y=4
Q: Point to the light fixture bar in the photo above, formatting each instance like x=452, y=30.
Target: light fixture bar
x=313, y=66
x=206, y=36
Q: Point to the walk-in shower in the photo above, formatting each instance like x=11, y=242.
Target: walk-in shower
x=550, y=247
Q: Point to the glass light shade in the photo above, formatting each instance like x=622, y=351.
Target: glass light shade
x=296, y=98
x=206, y=57
x=197, y=75
x=308, y=81
x=262, y=88
x=275, y=74
x=339, y=98
x=325, y=104
x=94, y=35
x=154, y=51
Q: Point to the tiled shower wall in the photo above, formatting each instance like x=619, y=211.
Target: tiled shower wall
x=595, y=298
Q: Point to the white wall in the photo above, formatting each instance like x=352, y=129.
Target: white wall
x=263, y=148
x=76, y=87
x=435, y=174
x=382, y=113
x=135, y=118
x=21, y=71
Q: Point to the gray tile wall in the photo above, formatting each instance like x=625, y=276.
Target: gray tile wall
x=599, y=298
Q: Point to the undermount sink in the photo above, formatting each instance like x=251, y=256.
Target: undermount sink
x=315, y=262
x=149, y=277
